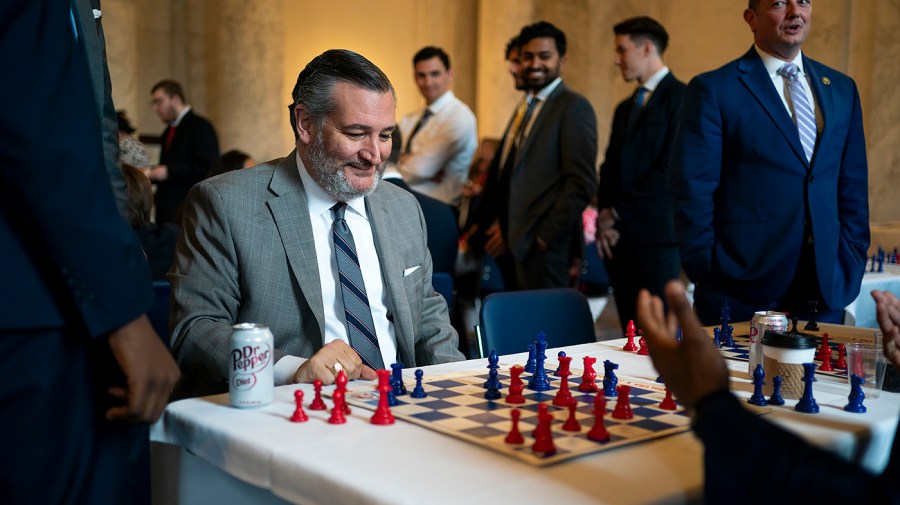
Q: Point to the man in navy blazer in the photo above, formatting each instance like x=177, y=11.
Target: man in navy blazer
x=635, y=234
x=81, y=364
x=760, y=222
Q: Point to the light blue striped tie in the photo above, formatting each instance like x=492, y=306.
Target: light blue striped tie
x=803, y=113
x=360, y=327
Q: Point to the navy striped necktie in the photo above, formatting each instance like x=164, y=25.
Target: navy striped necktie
x=803, y=112
x=360, y=326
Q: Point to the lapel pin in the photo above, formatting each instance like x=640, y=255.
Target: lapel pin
x=826, y=81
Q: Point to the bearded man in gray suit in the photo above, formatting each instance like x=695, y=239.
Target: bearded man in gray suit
x=258, y=246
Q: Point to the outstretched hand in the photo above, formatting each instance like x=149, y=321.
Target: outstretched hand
x=692, y=368
x=887, y=309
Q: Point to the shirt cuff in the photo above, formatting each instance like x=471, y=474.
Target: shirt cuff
x=285, y=368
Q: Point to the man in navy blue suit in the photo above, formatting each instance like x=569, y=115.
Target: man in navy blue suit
x=769, y=177
x=82, y=368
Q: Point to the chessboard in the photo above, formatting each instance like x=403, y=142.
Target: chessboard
x=456, y=406
x=837, y=334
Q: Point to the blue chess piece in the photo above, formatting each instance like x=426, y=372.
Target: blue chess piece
x=776, y=398
x=807, y=403
x=418, y=391
x=397, y=379
x=855, y=400
x=493, y=365
x=717, y=337
x=759, y=379
x=539, y=381
x=874, y=259
x=729, y=336
x=609, y=378
x=529, y=365
x=493, y=392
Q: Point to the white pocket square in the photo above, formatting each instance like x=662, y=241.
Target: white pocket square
x=96, y=13
x=410, y=270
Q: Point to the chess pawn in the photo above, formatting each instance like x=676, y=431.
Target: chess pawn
x=299, y=416
x=514, y=436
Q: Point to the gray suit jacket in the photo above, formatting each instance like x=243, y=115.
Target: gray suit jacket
x=247, y=254
x=554, y=175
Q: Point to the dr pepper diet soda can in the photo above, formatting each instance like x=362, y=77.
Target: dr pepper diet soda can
x=251, y=379
x=762, y=321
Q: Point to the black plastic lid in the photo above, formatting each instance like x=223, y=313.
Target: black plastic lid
x=789, y=340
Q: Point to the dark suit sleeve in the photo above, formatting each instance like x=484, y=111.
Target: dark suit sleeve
x=611, y=168
x=853, y=198
x=578, y=162
x=750, y=460
x=203, y=149
x=696, y=169
x=54, y=194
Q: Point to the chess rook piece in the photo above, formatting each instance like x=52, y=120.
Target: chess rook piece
x=623, y=407
x=382, y=415
x=668, y=403
x=397, y=379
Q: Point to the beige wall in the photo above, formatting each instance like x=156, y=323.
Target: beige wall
x=238, y=60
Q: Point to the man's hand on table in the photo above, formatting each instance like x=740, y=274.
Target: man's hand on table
x=691, y=369
x=887, y=309
x=322, y=364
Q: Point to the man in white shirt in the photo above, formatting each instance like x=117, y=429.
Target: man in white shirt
x=439, y=141
x=269, y=245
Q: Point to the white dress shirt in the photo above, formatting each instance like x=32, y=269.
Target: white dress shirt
x=442, y=149
x=335, y=322
x=773, y=64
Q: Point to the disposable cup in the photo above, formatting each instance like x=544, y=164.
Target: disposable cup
x=867, y=361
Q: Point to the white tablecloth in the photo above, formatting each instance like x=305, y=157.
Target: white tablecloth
x=861, y=312
x=208, y=452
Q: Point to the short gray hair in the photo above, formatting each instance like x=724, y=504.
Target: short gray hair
x=315, y=84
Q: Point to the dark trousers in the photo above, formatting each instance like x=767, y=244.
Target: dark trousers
x=545, y=269
x=803, y=289
x=58, y=447
x=634, y=267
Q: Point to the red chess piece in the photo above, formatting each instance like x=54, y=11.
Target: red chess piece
x=823, y=349
x=383, y=414
x=317, y=403
x=299, y=416
x=842, y=357
x=516, y=385
x=668, y=403
x=341, y=382
x=571, y=423
x=826, y=362
x=543, y=434
x=643, y=351
x=589, y=376
x=514, y=437
x=337, y=413
x=623, y=407
x=630, y=333
x=563, y=396
x=598, y=433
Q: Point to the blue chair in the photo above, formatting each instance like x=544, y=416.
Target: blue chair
x=510, y=321
x=159, y=311
x=593, y=279
x=443, y=284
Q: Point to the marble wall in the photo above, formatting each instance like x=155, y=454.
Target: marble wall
x=238, y=60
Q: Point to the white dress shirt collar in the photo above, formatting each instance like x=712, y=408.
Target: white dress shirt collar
x=654, y=80
x=181, y=116
x=442, y=102
x=545, y=92
x=318, y=200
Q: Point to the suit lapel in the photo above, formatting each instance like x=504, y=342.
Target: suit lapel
x=87, y=33
x=539, y=123
x=755, y=77
x=822, y=95
x=291, y=213
x=384, y=233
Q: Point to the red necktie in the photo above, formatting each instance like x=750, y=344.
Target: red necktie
x=169, y=137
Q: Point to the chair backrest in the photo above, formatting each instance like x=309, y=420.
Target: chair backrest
x=511, y=320
x=593, y=271
x=443, y=284
x=159, y=311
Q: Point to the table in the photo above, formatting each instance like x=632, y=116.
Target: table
x=861, y=312
x=207, y=452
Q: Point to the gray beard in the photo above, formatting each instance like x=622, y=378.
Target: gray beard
x=328, y=172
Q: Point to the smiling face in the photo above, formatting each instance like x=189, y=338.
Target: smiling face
x=432, y=78
x=347, y=155
x=541, y=63
x=780, y=26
